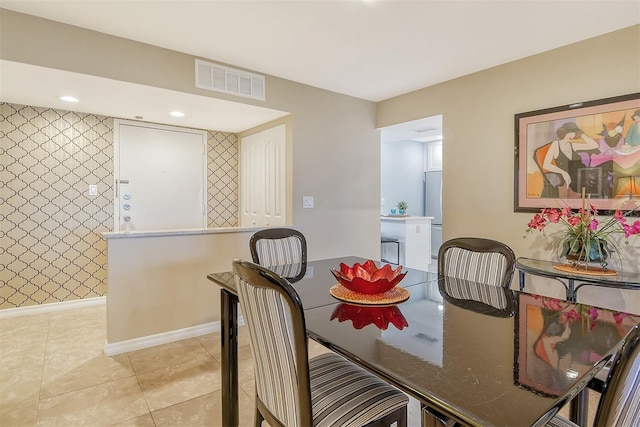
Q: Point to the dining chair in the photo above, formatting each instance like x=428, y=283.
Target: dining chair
x=282, y=250
x=619, y=404
x=472, y=259
x=292, y=390
x=477, y=260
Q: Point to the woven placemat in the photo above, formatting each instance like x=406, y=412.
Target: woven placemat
x=589, y=271
x=394, y=295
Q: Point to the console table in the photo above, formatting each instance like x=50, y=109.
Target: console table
x=574, y=281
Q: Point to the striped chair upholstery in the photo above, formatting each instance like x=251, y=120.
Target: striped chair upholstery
x=343, y=394
x=288, y=271
x=464, y=290
x=291, y=390
x=619, y=404
x=478, y=260
x=479, y=297
x=282, y=250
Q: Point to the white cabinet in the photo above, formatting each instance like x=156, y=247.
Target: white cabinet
x=414, y=234
x=262, y=178
x=434, y=156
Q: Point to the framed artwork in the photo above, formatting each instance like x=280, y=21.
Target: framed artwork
x=592, y=145
x=551, y=349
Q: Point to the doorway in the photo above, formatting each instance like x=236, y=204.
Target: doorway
x=417, y=182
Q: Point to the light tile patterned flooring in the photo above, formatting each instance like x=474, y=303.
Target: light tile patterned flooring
x=53, y=372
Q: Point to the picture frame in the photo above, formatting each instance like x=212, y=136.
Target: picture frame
x=592, y=145
x=541, y=318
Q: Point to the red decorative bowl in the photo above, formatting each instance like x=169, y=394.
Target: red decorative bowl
x=368, y=278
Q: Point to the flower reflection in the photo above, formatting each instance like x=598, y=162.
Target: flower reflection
x=571, y=312
x=362, y=316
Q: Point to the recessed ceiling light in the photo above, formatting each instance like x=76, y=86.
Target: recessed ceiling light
x=177, y=113
x=69, y=98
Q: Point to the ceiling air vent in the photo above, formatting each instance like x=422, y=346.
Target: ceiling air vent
x=229, y=80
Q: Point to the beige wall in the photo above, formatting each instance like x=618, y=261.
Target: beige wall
x=478, y=114
x=158, y=283
x=335, y=146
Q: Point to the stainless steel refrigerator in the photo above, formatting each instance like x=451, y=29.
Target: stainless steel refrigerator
x=433, y=207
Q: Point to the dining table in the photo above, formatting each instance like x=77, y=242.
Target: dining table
x=473, y=359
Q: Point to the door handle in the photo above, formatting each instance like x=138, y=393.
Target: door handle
x=118, y=182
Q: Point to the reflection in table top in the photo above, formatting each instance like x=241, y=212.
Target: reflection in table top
x=468, y=363
x=545, y=268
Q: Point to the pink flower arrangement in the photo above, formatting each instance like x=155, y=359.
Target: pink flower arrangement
x=582, y=234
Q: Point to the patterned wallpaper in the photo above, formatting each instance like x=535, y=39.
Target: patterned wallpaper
x=222, y=177
x=51, y=247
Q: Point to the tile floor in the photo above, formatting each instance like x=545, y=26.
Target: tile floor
x=53, y=372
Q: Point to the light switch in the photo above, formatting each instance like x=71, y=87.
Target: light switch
x=93, y=190
x=307, y=202
x=382, y=201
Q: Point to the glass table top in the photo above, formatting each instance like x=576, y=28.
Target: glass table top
x=624, y=279
x=463, y=347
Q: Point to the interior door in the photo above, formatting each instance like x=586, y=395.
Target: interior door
x=160, y=177
x=262, y=182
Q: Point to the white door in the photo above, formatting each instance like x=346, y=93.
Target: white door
x=262, y=184
x=251, y=184
x=160, y=177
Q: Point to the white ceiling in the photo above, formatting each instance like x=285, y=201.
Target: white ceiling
x=37, y=86
x=427, y=129
x=373, y=49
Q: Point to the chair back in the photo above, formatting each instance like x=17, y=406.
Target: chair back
x=620, y=400
x=273, y=313
x=477, y=260
x=283, y=250
x=479, y=297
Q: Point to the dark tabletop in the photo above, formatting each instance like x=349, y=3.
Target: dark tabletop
x=485, y=363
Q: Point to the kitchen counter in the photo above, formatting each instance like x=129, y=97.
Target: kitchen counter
x=414, y=235
x=406, y=218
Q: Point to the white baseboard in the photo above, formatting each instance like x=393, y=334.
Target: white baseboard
x=122, y=346
x=49, y=308
x=163, y=338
